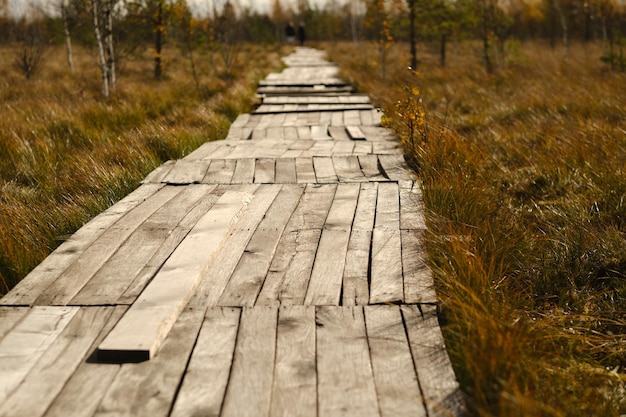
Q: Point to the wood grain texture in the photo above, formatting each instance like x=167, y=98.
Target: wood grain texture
x=146, y=324
x=411, y=206
x=344, y=370
x=187, y=172
x=286, y=171
x=386, y=271
x=396, y=381
x=370, y=168
x=255, y=354
x=355, y=275
x=244, y=171
x=348, y=169
x=9, y=317
x=220, y=171
x=304, y=171
x=205, y=380
x=394, y=166
x=294, y=390
x=264, y=171
x=324, y=170
x=440, y=388
x=419, y=286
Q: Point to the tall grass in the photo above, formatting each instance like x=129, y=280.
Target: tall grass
x=524, y=182
x=66, y=154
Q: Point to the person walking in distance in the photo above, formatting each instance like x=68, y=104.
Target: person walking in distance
x=290, y=33
x=301, y=33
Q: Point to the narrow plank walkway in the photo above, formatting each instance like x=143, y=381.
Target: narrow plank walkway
x=278, y=272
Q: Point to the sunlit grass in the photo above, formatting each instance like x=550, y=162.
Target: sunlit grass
x=66, y=154
x=523, y=177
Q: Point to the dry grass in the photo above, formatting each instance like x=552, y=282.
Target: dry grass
x=65, y=154
x=523, y=177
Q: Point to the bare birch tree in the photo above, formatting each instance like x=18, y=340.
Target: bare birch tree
x=102, y=13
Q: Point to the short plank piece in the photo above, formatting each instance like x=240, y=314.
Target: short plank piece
x=250, y=388
x=84, y=391
x=362, y=148
x=366, y=117
x=327, y=275
x=348, y=169
x=294, y=392
x=411, y=206
x=370, y=168
x=419, y=286
x=148, y=389
x=337, y=119
x=31, y=287
x=395, y=168
x=394, y=374
x=220, y=171
x=61, y=291
x=437, y=380
x=110, y=282
x=264, y=172
x=286, y=171
x=142, y=329
x=206, y=377
x=159, y=173
x=247, y=279
x=244, y=171
x=57, y=364
x=24, y=345
x=386, y=272
x=355, y=285
x=305, y=172
x=324, y=170
x=366, y=207
x=337, y=132
x=187, y=172
x=352, y=118
x=355, y=133
x=344, y=371
x=343, y=148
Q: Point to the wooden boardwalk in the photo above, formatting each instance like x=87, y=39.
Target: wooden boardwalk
x=279, y=272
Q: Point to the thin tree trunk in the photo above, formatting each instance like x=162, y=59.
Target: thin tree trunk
x=488, y=65
x=103, y=63
x=158, y=42
x=68, y=38
x=412, y=34
x=109, y=43
x=442, y=51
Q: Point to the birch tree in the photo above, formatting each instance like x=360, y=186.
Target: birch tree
x=102, y=13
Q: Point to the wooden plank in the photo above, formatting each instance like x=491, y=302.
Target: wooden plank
x=304, y=133
x=324, y=170
x=366, y=117
x=338, y=132
x=9, y=317
x=187, y=172
x=320, y=132
x=112, y=280
x=352, y=118
x=61, y=291
x=362, y=148
x=149, y=388
x=294, y=391
x=159, y=173
x=220, y=171
x=247, y=279
x=386, y=271
x=205, y=380
x=337, y=119
x=438, y=383
x=204, y=151
x=396, y=381
x=326, y=277
x=366, y=207
x=344, y=371
x=419, y=286
x=395, y=168
x=25, y=344
x=241, y=120
x=254, y=355
x=411, y=206
x=305, y=172
x=31, y=287
x=57, y=364
x=264, y=171
x=355, y=275
x=343, y=148
x=355, y=133
x=146, y=324
x=85, y=389
x=370, y=168
x=244, y=171
x=286, y=171
x=348, y=169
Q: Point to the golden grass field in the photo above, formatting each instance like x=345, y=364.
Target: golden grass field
x=524, y=182
x=66, y=154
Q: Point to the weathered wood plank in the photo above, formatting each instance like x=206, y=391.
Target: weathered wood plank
x=205, y=380
x=355, y=133
x=338, y=133
x=411, y=206
x=148, y=388
x=254, y=355
x=146, y=324
x=294, y=391
x=362, y=148
x=220, y=271
x=388, y=206
x=344, y=371
x=419, y=286
x=394, y=374
x=244, y=171
x=286, y=171
x=343, y=148
x=305, y=172
x=187, y=172
x=355, y=275
x=247, y=279
x=326, y=277
x=24, y=345
x=9, y=317
x=348, y=169
x=366, y=207
x=159, y=173
x=32, y=286
x=370, y=168
x=264, y=171
x=395, y=167
x=111, y=281
x=220, y=171
x=438, y=383
x=324, y=170
x=57, y=364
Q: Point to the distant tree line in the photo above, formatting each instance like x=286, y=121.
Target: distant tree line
x=119, y=27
